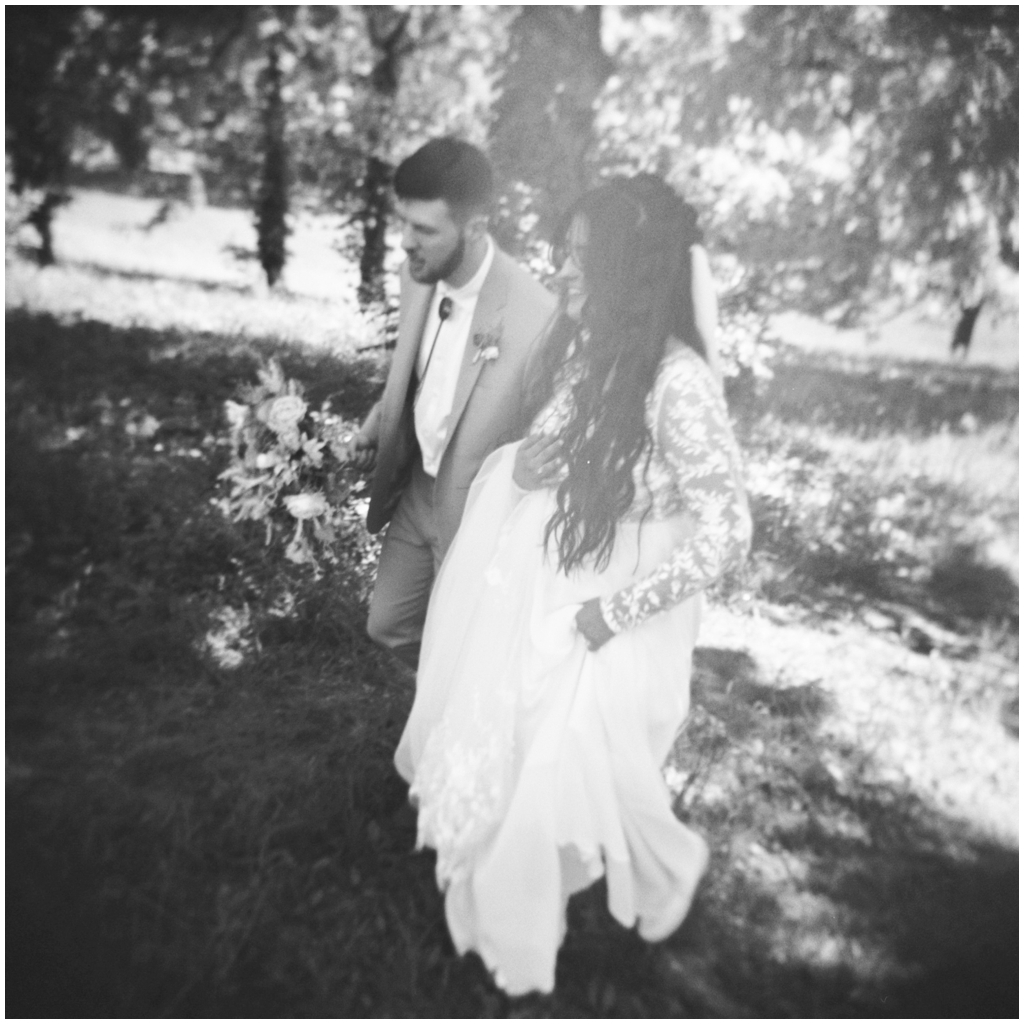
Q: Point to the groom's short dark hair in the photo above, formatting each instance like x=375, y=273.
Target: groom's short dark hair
x=447, y=169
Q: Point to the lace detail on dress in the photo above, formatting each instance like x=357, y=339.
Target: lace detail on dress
x=694, y=474
x=462, y=786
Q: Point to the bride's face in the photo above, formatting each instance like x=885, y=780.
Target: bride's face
x=570, y=275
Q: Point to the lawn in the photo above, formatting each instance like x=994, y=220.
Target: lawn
x=202, y=814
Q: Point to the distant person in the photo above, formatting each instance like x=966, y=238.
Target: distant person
x=557, y=650
x=964, y=330
x=469, y=318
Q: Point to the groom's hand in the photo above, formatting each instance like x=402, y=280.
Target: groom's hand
x=362, y=453
x=536, y=463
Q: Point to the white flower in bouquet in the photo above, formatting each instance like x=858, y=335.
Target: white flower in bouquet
x=284, y=415
x=313, y=450
x=237, y=415
x=267, y=460
x=306, y=505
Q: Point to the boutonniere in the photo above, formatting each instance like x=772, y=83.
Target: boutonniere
x=487, y=344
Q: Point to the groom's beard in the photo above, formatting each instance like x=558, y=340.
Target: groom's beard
x=449, y=266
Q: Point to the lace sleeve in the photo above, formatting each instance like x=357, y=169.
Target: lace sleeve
x=695, y=439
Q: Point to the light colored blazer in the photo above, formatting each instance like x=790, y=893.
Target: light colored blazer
x=512, y=312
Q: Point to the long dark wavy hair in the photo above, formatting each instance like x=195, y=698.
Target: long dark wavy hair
x=637, y=273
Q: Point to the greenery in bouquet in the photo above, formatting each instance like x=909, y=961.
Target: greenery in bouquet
x=288, y=468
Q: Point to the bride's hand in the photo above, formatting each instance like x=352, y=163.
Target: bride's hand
x=536, y=463
x=590, y=622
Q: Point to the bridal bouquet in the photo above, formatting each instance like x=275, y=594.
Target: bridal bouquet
x=287, y=467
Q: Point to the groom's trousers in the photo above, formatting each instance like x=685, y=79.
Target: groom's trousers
x=410, y=557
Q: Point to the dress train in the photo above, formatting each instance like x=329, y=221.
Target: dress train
x=534, y=762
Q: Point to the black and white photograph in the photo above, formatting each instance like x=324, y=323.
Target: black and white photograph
x=512, y=511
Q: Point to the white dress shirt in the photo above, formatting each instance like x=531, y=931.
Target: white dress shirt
x=437, y=390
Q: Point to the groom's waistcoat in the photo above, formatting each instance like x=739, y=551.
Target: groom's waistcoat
x=511, y=313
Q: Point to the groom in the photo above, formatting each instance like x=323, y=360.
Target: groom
x=469, y=318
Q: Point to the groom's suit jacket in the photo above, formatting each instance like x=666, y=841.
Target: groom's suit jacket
x=511, y=313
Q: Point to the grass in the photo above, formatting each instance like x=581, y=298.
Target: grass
x=894, y=482
x=187, y=839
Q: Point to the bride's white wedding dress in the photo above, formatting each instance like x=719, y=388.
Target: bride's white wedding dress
x=536, y=763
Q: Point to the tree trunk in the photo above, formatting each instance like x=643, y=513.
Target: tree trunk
x=374, y=216
x=272, y=202
x=387, y=30
x=41, y=218
x=39, y=110
x=964, y=330
x=543, y=129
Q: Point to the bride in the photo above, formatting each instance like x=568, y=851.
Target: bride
x=556, y=657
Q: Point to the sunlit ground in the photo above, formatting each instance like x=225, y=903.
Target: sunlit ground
x=849, y=753
x=164, y=267
x=163, y=251
x=921, y=333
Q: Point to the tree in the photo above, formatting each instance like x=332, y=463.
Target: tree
x=426, y=72
x=197, y=79
x=387, y=30
x=272, y=200
x=542, y=137
x=114, y=61
x=113, y=74
x=852, y=158
x=929, y=100
x=40, y=110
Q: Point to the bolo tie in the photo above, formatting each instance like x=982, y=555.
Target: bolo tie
x=444, y=310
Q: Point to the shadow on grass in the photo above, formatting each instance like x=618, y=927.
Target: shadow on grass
x=235, y=845
x=214, y=286
x=66, y=366
x=113, y=451
x=973, y=589
x=102, y=270
x=889, y=396
x=836, y=897
x=835, y=533
x=186, y=840
x=960, y=591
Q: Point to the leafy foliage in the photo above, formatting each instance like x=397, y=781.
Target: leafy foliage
x=930, y=100
x=847, y=160
x=542, y=133
x=846, y=155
